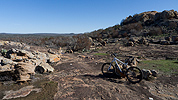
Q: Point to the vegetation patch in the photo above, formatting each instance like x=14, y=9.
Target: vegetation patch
x=165, y=66
x=48, y=89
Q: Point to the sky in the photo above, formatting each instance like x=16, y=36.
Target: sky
x=72, y=16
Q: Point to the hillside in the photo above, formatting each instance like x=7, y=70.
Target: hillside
x=146, y=24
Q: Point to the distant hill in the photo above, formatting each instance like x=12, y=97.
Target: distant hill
x=151, y=23
x=42, y=34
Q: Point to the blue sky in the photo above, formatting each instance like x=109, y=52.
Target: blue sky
x=72, y=16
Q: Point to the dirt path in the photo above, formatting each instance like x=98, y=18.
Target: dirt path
x=80, y=78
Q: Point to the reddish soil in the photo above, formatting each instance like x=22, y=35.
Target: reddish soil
x=81, y=78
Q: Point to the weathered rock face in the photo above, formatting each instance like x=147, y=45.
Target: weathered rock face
x=168, y=14
x=22, y=63
x=143, y=17
x=150, y=16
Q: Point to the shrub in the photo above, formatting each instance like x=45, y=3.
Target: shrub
x=137, y=26
x=172, y=25
x=155, y=31
x=80, y=42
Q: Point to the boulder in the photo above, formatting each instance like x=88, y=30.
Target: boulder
x=41, y=56
x=149, y=73
x=146, y=73
x=25, y=67
x=53, y=58
x=23, y=77
x=24, y=71
x=44, y=68
x=154, y=73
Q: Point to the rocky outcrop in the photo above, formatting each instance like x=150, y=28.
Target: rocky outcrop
x=146, y=24
x=151, y=17
x=143, y=17
x=22, y=64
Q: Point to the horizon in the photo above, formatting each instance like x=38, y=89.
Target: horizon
x=69, y=16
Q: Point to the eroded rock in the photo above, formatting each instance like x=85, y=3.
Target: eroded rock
x=23, y=63
x=44, y=68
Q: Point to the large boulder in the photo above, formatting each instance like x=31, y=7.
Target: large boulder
x=44, y=68
x=23, y=71
x=26, y=67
